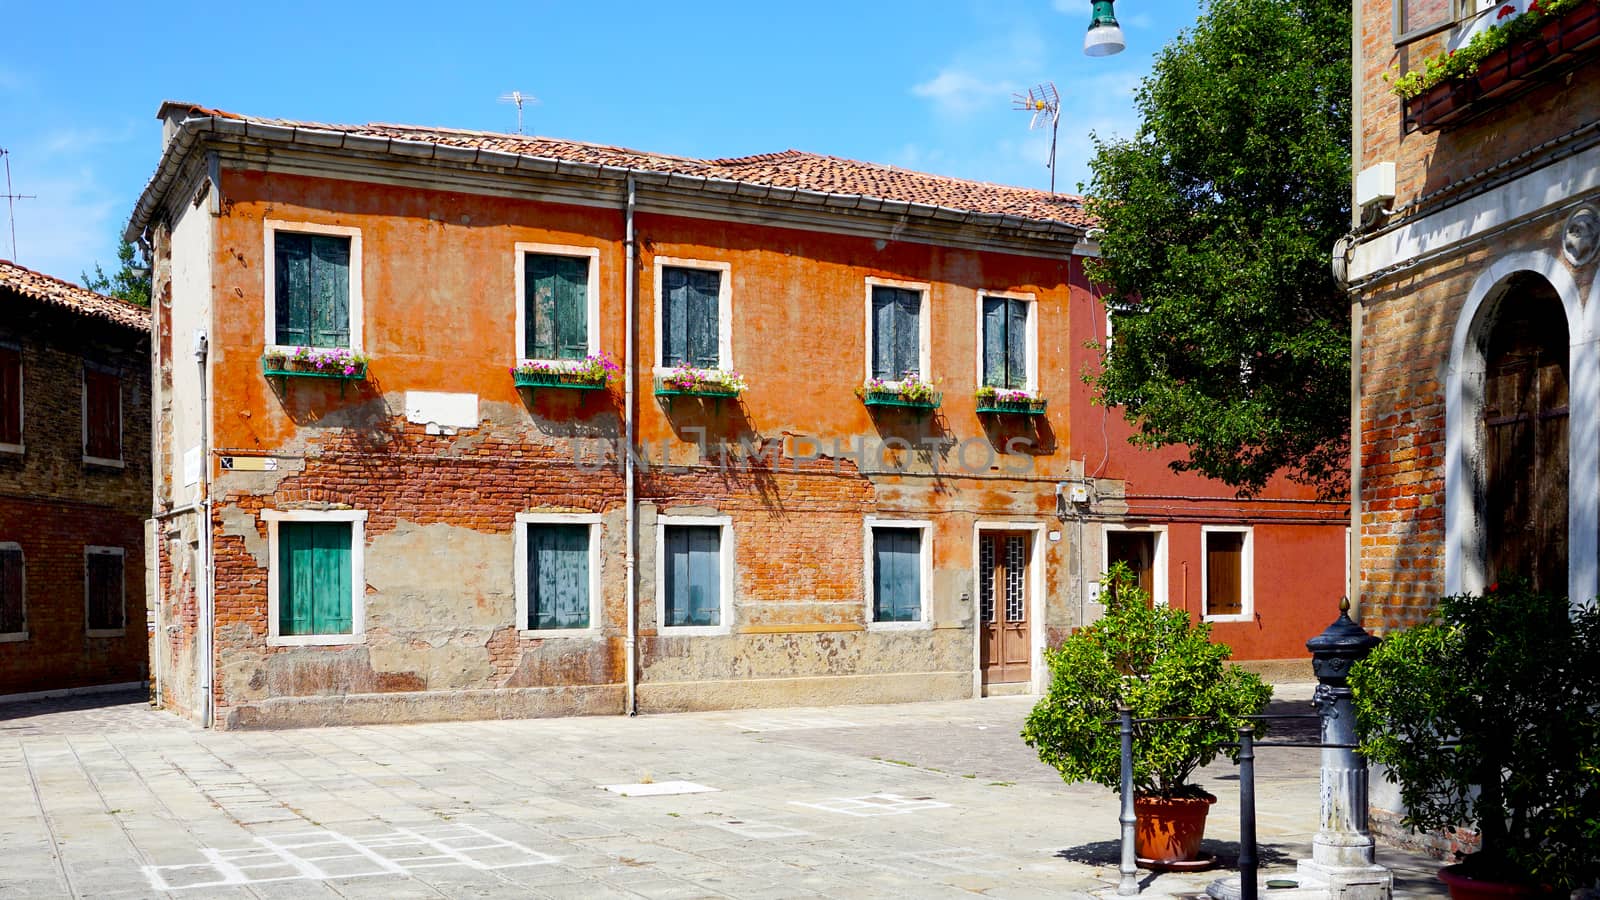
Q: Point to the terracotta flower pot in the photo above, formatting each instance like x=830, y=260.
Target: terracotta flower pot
x=1465, y=887
x=1169, y=830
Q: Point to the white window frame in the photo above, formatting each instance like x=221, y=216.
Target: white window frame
x=83, y=415
x=122, y=583
x=924, y=619
x=592, y=304
x=1158, y=560
x=269, y=265
x=725, y=565
x=1247, y=574
x=22, y=407
x=924, y=326
x=724, y=309
x=520, y=572
x=12, y=636
x=357, y=518
x=1032, y=337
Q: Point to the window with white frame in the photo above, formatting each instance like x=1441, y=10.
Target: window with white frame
x=558, y=305
x=693, y=322
x=898, y=576
x=313, y=285
x=102, y=415
x=1229, y=576
x=1144, y=551
x=10, y=398
x=897, y=330
x=316, y=584
x=104, y=591
x=558, y=573
x=694, y=575
x=1006, y=348
x=13, y=593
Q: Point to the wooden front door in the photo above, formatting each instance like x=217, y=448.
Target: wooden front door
x=1003, y=601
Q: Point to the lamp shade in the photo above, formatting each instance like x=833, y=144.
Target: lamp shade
x=1105, y=35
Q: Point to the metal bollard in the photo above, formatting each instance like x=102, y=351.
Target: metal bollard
x=1248, y=862
x=1130, y=864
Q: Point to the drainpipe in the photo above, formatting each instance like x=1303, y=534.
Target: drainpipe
x=207, y=667
x=630, y=526
x=1357, y=150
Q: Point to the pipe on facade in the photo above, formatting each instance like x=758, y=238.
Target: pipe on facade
x=1357, y=151
x=207, y=668
x=630, y=522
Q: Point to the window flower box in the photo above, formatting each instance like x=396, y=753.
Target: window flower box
x=595, y=372
x=998, y=401
x=314, y=362
x=713, y=384
x=910, y=392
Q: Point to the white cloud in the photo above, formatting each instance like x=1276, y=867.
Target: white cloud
x=73, y=218
x=959, y=92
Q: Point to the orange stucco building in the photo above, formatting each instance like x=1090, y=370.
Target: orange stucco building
x=792, y=488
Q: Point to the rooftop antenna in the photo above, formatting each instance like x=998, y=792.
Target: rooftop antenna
x=1045, y=104
x=518, y=98
x=11, y=201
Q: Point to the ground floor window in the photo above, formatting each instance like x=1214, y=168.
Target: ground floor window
x=1227, y=573
x=557, y=577
x=315, y=587
x=896, y=574
x=103, y=591
x=13, y=593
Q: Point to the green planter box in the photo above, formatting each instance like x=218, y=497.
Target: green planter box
x=1012, y=407
x=893, y=399
x=707, y=392
x=282, y=367
x=561, y=380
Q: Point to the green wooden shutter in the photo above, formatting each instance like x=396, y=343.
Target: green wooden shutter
x=704, y=333
x=314, y=578
x=330, y=291
x=675, y=316
x=1017, y=345
x=539, y=310
x=572, y=307
x=558, y=576
x=897, y=574
x=292, y=288
x=13, y=606
x=896, y=333
x=994, y=341
x=693, y=592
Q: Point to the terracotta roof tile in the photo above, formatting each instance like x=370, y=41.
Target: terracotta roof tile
x=45, y=288
x=786, y=169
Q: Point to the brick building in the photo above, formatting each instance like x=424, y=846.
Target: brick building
x=1473, y=268
x=74, y=485
x=417, y=531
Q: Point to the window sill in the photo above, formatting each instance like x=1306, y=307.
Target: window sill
x=919, y=625
x=692, y=630
x=13, y=637
x=315, y=640
x=104, y=463
x=107, y=632
x=569, y=633
x=1231, y=617
x=15, y=449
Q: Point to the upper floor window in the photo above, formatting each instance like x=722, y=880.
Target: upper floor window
x=313, y=285
x=694, y=326
x=103, y=591
x=10, y=398
x=897, y=330
x=1007, y=342
x=556, y=318
x=13, y=597
x=102, y=416
x=1415, y=18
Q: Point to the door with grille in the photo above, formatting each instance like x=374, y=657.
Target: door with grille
x=1003, y=602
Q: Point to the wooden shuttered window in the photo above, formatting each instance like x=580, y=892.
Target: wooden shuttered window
x=103, y=583
x=896, y=333
x=314, y=589
x=102, y=414
x=558, y=576
x=1005, y=343
x=13, y=603
x=896, y=575
x=691, y=307
x=10, y=395
x=1225, y=573
x=693, y=568
x=1136, y=549
x=556, y=306
x=311, y=289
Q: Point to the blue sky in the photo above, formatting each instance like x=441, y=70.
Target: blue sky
x=922, y=85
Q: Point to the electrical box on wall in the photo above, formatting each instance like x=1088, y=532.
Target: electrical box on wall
x=1375, y=184
x=1078, y=493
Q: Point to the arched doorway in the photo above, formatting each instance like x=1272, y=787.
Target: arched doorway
x=1526, y=435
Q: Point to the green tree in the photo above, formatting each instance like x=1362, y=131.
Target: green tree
x=131, y=281
x=1231, y=337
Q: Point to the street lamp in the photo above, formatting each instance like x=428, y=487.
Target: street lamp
x=1105, y=35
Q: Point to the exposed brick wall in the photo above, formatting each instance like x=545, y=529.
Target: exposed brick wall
x=54, y=504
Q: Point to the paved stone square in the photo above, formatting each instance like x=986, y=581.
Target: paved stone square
x=104, y=797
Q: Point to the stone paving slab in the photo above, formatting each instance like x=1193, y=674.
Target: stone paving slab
x=919, y=800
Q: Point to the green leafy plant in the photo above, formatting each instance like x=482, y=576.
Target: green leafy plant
x=1160, y=664
x=1463, y=61
x=1486, y=716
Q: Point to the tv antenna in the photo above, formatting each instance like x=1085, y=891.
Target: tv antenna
x=11, y=201
x=518, y=98
x=1045, y=104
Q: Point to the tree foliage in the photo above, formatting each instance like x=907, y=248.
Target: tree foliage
x=1219, y=215
x=131, y=281
x=1160, y=664
x=1485, y=716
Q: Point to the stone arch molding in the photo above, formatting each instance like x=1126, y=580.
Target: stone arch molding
x=1464, y=534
